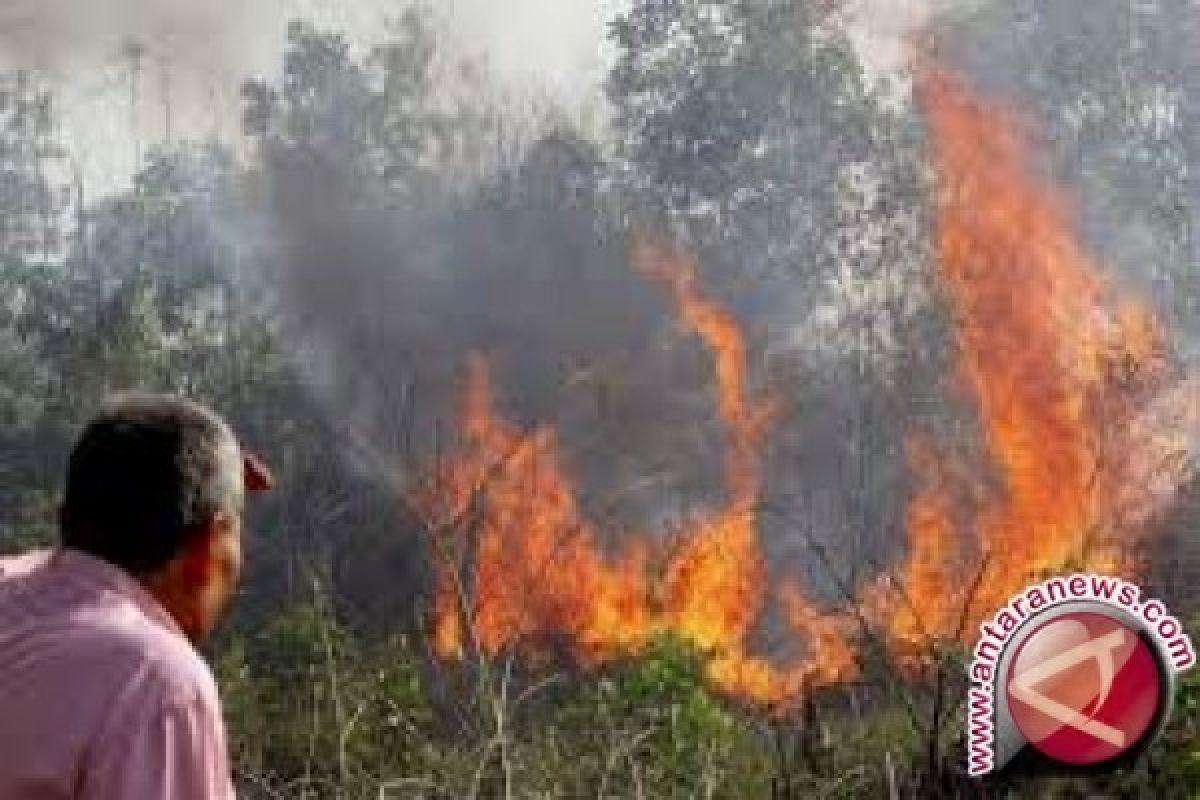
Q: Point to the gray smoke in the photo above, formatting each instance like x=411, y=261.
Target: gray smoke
x=388, y=306
x=185, y=60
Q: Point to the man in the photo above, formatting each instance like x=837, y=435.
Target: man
x=102, y=694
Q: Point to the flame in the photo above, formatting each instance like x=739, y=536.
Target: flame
x=714, y=584
x=1057, y=366
x=537, y=577
x=1083, y=440
x=539, y=574
x=745, y=418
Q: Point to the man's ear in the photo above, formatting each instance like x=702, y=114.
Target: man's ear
x=198, y=559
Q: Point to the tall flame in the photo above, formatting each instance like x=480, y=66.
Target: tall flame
x=715, y=585
x=1081, y=437
x=1058, y=367
x=538, y=574
x=518, y=565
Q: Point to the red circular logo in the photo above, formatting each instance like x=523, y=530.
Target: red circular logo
x=1084, y=688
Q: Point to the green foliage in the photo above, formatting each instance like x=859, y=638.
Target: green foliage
x=755, y=133
x=645, y=727
x=1175, y=760
x=34, y=523
x=310, y=706
x=650, y=723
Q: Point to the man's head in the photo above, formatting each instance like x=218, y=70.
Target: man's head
x=156, y=485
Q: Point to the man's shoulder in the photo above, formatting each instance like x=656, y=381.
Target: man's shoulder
x=158, y=661
x=71, y=609
x=121, y=650
x=164, y=722
x=20, y=564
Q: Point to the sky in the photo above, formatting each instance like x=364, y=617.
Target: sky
x=199, y=52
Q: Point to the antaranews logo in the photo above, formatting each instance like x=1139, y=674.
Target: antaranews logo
x=1081, y=669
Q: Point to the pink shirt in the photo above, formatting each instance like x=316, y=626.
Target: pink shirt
x=101, y=696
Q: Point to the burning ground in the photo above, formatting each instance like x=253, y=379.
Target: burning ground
x=1085, y=428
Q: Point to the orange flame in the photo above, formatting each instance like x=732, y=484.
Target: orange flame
x=537, y=576
x=1056, y=366
x=714, y=585
x=1080, y=442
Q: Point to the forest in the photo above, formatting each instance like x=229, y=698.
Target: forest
x=674, y=455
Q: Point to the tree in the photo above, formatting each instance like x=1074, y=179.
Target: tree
x=1112, y=88
x=749, y=130
x=401, y=123
x=750, y=124
x=31, y=198
x=32, y=211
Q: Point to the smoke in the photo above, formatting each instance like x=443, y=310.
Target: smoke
x=1108, y=95
x=387, y=307
x=132, y=73
x=884, y=32
x=521, y=37
x=383, y=305
x=382, y=308
x=59, y=35
x=386, y=303
x=558, y=44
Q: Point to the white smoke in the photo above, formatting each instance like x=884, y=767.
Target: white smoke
x=885, y=32
x=132, y=73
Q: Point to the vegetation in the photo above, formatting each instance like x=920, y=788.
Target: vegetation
x=392, y=214
x=316, y=712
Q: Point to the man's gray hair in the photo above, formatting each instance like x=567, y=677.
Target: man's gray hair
x=147, y=471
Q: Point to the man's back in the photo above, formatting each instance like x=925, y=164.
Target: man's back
x=101, y=695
